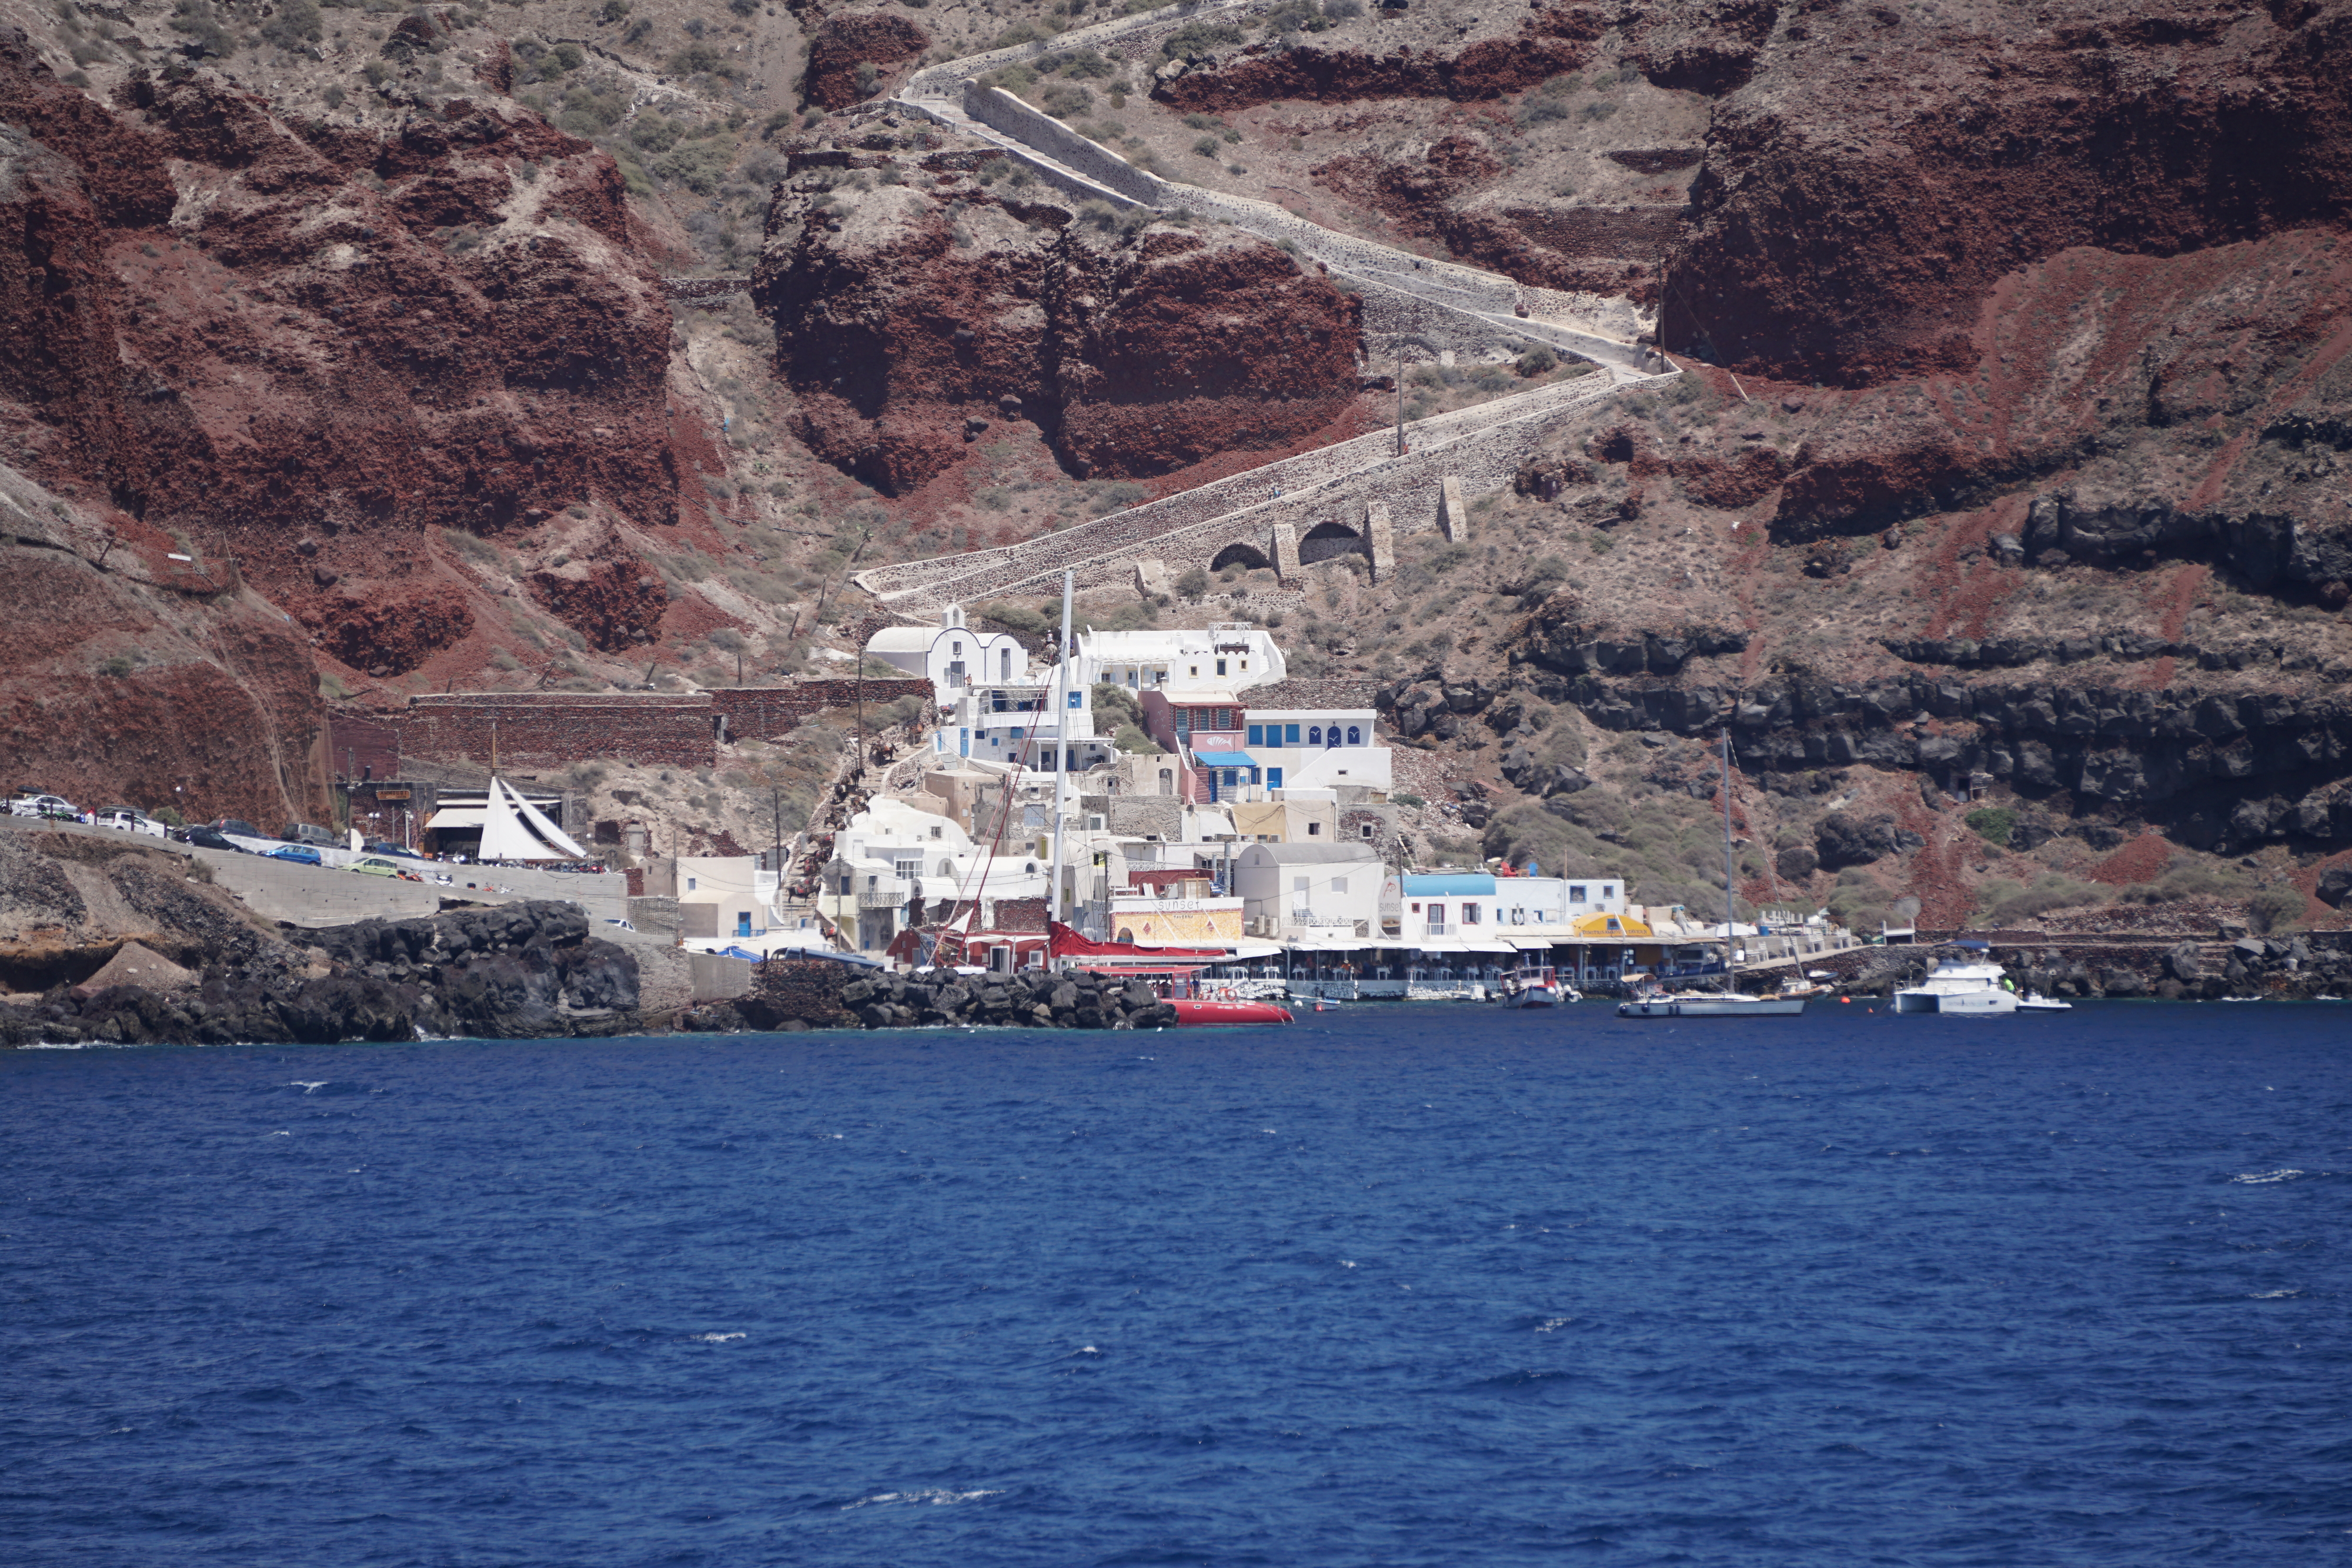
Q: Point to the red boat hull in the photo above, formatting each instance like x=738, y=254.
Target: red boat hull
x=1193, y=1013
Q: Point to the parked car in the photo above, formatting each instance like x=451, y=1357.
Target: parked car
x=300, y=854
x=243, y=830
x=312, y=833
x=376, y=866
x=32, y=803
x=203, y=838
x=386, y=847
x=131, y=819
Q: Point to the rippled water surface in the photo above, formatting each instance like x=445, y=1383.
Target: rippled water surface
x=1403, y=1285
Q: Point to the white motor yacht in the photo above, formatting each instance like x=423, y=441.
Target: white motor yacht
x=1967, y=981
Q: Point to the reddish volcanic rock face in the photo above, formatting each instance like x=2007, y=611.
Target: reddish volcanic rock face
x=615, y=603
x=389, y=635
x=904, y=333
x=1708, y=47
x=1181, y=347
x=867, y=37
x=1883, y=168
x=297, y=355
x=1548, y=44
x=341, y=337
x=120, y=690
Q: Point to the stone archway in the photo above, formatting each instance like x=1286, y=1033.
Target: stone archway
x=1247, y=556
x=1328, y=541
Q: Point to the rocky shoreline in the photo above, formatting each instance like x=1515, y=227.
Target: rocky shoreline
x=1084, y=1000
x=524, y=971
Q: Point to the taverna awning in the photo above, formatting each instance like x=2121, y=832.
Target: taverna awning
x=1609, y=925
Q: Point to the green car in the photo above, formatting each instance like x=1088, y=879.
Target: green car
x=374, y=865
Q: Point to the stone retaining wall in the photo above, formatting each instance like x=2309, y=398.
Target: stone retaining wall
x=1249, y=503
x=994, y=107
x=757, y=712
x=1340, y=487
x=704, y=287
x=1632, y=233
x=540, y=729
x=549, y=728
x=1128, y=38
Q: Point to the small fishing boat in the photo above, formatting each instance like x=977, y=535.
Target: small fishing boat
x=1193, y=1012
x=1535, y=985
x=2035, y=1002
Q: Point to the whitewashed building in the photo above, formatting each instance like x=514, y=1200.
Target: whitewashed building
x=894, y=865
x=951, y=655
x=1227, y=656
x=1295, y=891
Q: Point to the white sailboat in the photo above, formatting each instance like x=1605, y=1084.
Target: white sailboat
x=1654, y=1002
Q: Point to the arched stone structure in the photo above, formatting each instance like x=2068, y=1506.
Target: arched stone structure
x=1330, y=540
x=1241, y=552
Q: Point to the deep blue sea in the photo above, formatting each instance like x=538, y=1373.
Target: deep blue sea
x=1400, y=1285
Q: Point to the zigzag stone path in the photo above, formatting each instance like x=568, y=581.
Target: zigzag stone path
x=1361, y=484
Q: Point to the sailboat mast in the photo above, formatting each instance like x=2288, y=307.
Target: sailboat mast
x=1054, y=899
x=1728, y=912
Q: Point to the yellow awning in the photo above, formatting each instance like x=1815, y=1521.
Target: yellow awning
x=1609, y=925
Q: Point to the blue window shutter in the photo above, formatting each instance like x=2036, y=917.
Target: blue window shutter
x=1077, y=699
x=1257, y=734
x=1289, y=735
x=1274, y=777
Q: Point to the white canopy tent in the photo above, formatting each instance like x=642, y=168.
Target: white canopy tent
x=512, y=827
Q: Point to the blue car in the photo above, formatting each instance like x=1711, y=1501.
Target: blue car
x=302, y=855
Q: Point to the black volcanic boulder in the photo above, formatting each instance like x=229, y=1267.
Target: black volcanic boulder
x=1842, y=841
x=1797, y=862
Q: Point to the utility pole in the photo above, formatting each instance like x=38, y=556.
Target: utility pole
x=1055, y=901
x=1664, y=278
x=1400, y=392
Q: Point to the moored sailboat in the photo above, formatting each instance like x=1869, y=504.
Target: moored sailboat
x=1653, y=1002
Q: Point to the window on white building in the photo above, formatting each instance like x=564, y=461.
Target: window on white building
x=689, y=884
x=1469, y=915
x=1314, y=830
x=1437, y=915
x=1221, y=666
x=1339, y=884
x=1576, y=893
